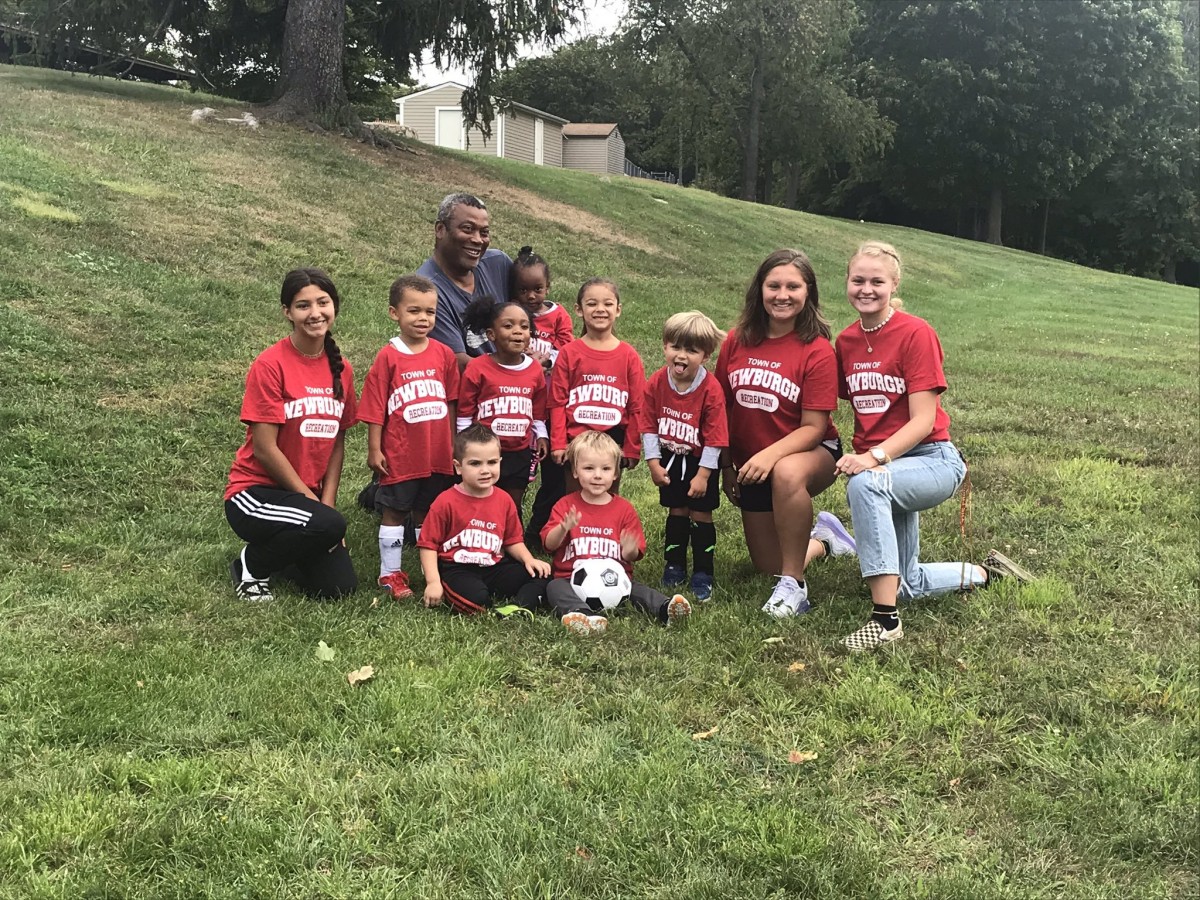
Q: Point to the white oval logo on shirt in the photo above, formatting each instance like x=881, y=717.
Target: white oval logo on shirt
x=597, y=415
x=757, y=400
x=423, y=412
x=473, y=558
x=510, y=427
x=319, y=428
x=871, y=404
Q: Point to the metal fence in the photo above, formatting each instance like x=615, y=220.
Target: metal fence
x=635, y=171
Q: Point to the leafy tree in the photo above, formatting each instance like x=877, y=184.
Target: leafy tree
x=764, y=67
x=303, y=51
x=1017, y=100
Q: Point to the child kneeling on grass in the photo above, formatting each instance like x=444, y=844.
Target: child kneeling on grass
x=471, y=543
x=595, y=524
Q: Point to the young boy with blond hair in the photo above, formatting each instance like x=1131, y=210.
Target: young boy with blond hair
x=593, y=523
x=684, y=430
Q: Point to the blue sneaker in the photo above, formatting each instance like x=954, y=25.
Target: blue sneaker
x=673, y=576
x=830, y=530
x=702, y=586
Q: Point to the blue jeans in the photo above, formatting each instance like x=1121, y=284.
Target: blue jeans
x=885, y=505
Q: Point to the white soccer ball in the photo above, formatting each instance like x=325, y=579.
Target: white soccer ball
x=600, y=583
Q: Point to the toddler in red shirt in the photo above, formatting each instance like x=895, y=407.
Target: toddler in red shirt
x=471, y=547
x=408, y=403
x=593, y=523
x=684, y=430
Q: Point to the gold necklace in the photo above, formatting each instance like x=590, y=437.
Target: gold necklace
x=873, y=329
x=316, y=355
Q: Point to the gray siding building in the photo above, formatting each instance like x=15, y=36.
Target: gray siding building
x=592, y=147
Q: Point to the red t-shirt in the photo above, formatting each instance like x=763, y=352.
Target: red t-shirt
x=596, y=390
x=286, y=388
x=685, y=423
x=907, y=358
x=470, y=530
x=598, y=534
x=508, y=401
x=552, y=330
x=410, y=394
x=768, y=386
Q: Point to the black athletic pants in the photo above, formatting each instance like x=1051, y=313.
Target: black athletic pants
x=289, y=535
x=471, y=589
x=551, y=488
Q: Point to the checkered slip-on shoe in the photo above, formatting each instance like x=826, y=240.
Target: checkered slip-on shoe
x=1000, y=566
x=872, y=636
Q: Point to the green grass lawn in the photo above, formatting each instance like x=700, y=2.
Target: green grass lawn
x=159, y=738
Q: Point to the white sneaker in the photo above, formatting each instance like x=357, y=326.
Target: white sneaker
x=790, y=598
x=830, y=529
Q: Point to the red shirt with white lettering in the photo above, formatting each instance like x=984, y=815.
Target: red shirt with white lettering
x=598, y=534
x=769, y=385
x=411, y=395
x=552, y=330
x=470, y=530
x=286, y=388
x=597, y=390
x=906, y=357
x=506, y=400
x=685, y=423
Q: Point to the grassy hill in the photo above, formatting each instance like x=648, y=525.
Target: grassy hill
x=160, y=739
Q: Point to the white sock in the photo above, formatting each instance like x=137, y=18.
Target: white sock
x=246, y=576
x=391, y=548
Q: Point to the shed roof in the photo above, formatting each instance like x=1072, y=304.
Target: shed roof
x=541, y=114
x=589, y=129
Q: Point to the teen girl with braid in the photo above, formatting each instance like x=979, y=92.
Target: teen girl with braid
x=299, y=401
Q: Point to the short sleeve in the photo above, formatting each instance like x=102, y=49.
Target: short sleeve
x=263, y=401
x=922, y=361
x=819, y=390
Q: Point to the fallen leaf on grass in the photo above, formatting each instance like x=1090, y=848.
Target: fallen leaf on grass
x=796, y=757
x=705, y=735
x=324, y=652
x=141, y=683
x=583, y=852
x=358, y=676
x=773, y=640
x=374, y=603
x=954, y=782
x=796, y=667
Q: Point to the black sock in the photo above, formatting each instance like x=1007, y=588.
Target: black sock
x=887, y=616
x=675, y=541
x=704, y=546
x=828, y=546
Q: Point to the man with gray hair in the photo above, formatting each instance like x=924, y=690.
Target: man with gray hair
x=463, y=268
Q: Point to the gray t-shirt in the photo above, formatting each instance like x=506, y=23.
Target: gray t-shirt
x=491, y=279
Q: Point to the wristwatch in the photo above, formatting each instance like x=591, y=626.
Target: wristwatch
x=880, y=455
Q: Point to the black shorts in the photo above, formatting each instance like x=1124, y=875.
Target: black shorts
x=414, y=494
x=757, y=497
x=682, y=469
x=515, y=468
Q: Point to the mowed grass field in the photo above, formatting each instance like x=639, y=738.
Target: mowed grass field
x=158, y=738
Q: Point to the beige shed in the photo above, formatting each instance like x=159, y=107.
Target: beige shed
x=519, y=132
x=594, y=147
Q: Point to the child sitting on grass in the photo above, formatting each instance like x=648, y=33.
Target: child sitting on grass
x=684, y=430
x=471, y=547
x=595, y=524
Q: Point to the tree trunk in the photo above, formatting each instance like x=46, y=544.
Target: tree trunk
x=312, y=87
x=995, y=211
x=793, y=185
x=1169, y=271
x=1045, y=224
x=753, y=127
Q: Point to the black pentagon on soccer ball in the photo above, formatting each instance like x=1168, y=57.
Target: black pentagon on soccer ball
x=579, y=576
x=595, y=605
